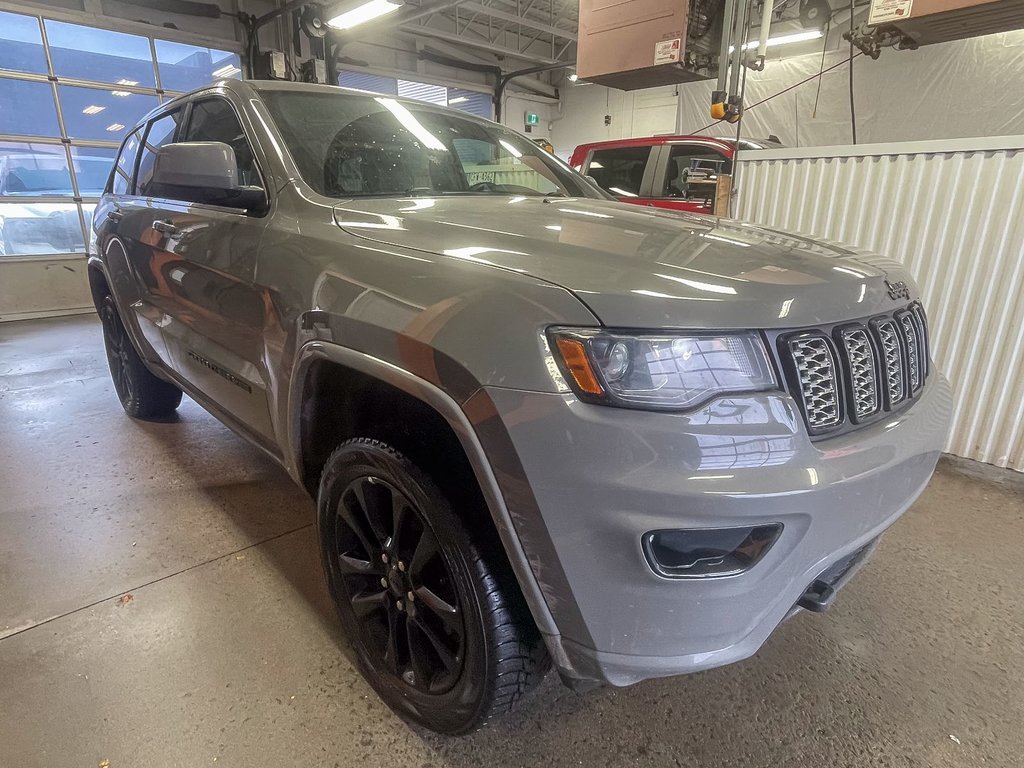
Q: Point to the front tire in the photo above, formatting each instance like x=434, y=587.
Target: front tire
x=142, y=395
x=438, y=624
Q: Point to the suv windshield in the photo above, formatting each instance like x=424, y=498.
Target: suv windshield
x=351, y=145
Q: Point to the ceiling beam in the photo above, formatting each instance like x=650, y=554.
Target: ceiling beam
x=525, y=82
x=451, y=37
x=533, y=24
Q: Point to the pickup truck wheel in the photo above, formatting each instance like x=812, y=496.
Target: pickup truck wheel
x=142, y=395
x=439, y=627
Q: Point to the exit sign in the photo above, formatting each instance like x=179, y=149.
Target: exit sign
x=532, y=118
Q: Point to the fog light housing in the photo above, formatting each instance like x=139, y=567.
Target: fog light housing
x=704, y=553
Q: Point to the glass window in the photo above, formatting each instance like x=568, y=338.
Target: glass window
x=88, y=53
x=187, y=67
x=161, y=131
x=28, y=229
x=27, y=108
x=122, y=181
x=33, y=169
x=435, y=94
x=364, y=82
x=473, y=102
x=93, y=113
x=21, y=44
x=215, y=120
x=693, y=173
x=620, y=170
x=92, y=168
x=351, y=145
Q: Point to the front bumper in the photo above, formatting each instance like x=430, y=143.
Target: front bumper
x=583, y=483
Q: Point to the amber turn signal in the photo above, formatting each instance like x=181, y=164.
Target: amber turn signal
x=717, y=111
x=575, y=356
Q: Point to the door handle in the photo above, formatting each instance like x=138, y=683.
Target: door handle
x=166, y=227
x=115, y=215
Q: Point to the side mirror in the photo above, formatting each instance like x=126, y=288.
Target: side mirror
x=202, y=172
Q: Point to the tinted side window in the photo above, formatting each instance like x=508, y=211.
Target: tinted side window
x=122, y=181
x=620, y=171
x=215, y=120
x=693, y=173
x=161, y=131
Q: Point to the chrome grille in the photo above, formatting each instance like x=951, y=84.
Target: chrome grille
x=819, y=385
x=862, y=369
x=852, y=373
x=893, y=354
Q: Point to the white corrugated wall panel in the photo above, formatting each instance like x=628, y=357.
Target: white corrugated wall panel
x=955, y=218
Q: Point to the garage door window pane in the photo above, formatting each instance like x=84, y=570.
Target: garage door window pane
x=28, y=229
x=91, y=113
x=435, y=94
x=92, y=168
x=33, y=169
x=473, y=102
x=186, y=67
x=620, y=171
x=21, y=44
x=87, y=53
x=27, y=108
x=364, y=82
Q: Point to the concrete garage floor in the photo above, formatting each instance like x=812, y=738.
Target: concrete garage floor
x=227, y=653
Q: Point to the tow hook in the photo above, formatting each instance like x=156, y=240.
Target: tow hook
x=818, y=597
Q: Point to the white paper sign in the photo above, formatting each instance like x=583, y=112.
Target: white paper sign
x=667, y=51
x=883, y=11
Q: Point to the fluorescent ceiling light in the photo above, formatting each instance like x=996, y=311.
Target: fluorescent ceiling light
x=362, y=13
x=115, y=127
x=458, y=100
x=796, y=37
x=93, y=109
x=229, y=70
x=127, y=82
x=120, y=93
x=411, y=124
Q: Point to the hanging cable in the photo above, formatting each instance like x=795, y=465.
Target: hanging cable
x=784, y=90
x=821, y=69
x=853, y=108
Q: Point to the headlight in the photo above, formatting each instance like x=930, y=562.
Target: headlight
x=664, y=370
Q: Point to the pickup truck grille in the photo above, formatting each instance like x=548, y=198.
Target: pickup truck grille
x=853, y=373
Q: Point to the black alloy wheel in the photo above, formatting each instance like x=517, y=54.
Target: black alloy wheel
x=428, y=602
x=142, y=394
x=399, y=585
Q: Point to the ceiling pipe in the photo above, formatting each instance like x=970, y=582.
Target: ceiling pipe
x=503, y=81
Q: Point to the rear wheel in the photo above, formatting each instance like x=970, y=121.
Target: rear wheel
x=142, y=394
x=438, y=624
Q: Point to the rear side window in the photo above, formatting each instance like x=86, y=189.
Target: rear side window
x=693, y=173
x=620, y=171
x=215, y=120
x=125, y=166
x=160, y=132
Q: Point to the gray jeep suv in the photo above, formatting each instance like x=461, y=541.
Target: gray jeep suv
x=540, y=426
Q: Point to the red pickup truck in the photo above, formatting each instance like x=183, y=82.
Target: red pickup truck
x=677, y=172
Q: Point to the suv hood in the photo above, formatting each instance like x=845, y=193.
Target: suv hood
x=637, y=267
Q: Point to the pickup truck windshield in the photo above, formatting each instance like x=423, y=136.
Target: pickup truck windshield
x=349, y=145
